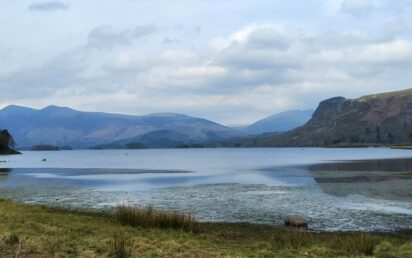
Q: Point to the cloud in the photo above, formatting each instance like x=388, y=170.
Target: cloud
x=290, y=65
x=106, y=36
x=255, y=71
x=357, y=7
x=49, y=6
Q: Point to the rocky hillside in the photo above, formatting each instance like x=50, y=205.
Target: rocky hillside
x=6, y=143
x=375, y=119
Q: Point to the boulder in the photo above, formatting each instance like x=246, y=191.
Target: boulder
x=296, y=221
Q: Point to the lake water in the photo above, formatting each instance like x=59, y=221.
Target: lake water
x=335, y=189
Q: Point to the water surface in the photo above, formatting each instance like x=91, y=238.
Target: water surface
x=336, y=189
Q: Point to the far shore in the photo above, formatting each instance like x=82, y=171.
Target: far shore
x=53, y=148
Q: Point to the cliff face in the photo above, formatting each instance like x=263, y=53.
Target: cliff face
x=6, y=141
x=375, y=119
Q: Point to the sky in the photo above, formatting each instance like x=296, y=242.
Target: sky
x=232, y=61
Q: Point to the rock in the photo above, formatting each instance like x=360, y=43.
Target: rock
x=296, y=221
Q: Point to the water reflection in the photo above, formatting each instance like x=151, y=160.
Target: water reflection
x=386, y=179
x=4, y=171
x=380, y=165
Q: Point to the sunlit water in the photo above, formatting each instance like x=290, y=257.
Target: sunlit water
x=236, y=185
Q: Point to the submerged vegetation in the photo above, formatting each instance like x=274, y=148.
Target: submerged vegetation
x=39, y=231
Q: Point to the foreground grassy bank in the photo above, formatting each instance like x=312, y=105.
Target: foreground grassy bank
x=38, y=231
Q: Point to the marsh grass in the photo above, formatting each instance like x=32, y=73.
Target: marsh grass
x=355, y=244
x=349, y=243
x=120, y=246
x=292, y=238
x=150, y=217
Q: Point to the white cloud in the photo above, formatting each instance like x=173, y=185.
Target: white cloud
x=357, y=7
x=49, y=6
x=105, y=36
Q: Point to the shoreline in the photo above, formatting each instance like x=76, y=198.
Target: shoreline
x=40, y=230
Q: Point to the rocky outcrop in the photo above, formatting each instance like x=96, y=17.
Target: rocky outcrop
x=375, y=119
x=6, y=143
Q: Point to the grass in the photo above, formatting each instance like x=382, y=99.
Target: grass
x=39, y=231
x=149, y=217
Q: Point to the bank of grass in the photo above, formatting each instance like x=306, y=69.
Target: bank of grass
x=38, y=231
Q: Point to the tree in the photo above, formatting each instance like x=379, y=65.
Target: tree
x=378, y=134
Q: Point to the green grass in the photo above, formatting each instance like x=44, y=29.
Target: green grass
x=38, y=231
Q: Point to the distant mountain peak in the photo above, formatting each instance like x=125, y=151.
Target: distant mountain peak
x=54, y=108
x=280, y=122
x=167, y=114
x=17, y=108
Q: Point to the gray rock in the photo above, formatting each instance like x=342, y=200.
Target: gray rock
x=296, y=221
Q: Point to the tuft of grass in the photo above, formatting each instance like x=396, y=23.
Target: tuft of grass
x=120, y=246
x=12, y=239
x=355, y=244
x=292, y=239
x=149, y=217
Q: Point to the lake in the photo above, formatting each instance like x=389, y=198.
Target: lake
x=345, y=189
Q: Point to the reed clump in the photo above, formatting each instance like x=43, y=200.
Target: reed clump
x=150, y=217
x=120, y=246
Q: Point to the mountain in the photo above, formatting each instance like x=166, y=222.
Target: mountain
x=375, y=119
x=6, y=143
x=281, y=122
x=61, y=126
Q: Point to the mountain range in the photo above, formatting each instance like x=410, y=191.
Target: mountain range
x=62, y=126
x=379, y=119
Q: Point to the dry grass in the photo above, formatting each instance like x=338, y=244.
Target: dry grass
x=149, y=217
